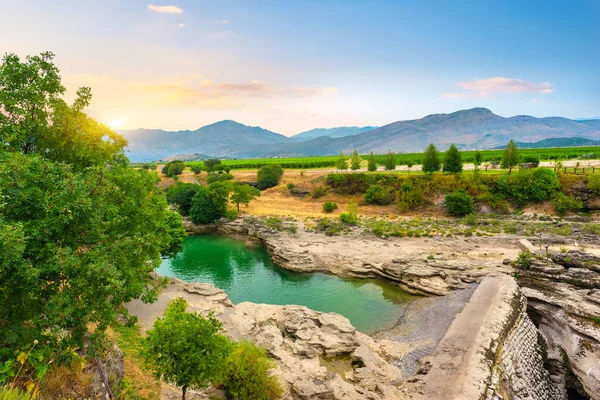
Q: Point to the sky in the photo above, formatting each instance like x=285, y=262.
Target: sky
x=290, y=66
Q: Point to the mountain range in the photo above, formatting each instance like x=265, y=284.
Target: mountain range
x=477, y=128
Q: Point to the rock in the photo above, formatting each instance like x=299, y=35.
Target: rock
x=110, y=366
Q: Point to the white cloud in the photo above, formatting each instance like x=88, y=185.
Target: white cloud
x=499, y=84
x=165, y=9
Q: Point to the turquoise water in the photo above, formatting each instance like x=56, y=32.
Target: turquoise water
x=250, y=275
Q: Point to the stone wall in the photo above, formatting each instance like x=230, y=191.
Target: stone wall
x=519, y=371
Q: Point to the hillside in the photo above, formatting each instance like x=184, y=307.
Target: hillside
x=477, y=128
x=338, y=132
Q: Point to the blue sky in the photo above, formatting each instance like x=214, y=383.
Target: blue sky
x=289, y=66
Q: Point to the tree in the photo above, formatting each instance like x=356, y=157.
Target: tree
x=341, y=163
x=187, y=349
x=377, y=194
x=269, y=176
x=181, y=196
x=510, y=157
x=410, y=163
x=209, y=204
x=390, y=161
x=478, y=160
x=173, y=168
x=453, y=160
x=372, y=166
x=196, y=169
x=355, y=161
x=243, y=194
x=80, y=231
x=211, y=163
x=431, y=160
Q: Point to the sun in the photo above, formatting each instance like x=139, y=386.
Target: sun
x=117, y=123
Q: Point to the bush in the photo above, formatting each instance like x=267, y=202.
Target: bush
x=563, y=203
x=331, y=227
x=173, y=168
x=249, y=374
x=459, y=203
x=268, y=176
x=181, y=195
x=318, y=191
x=348, y=218
x=290, y=186
x=211, y=163
x=409, y=198
x=593, y=184
x=329, y=206
x=196, y=169
x=213, y=177
x=377, y=194
x=231, y=215
x=529, y=185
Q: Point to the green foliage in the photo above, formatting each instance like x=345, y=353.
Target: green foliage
x=459, y=203
x=563, y=203
x=210, y=203
x=510, y=157
x=278, y=225
x=318, y=191
x=290, y=186
x=231, y=215
x=196, y=169
x=173, y=168
x=180, y=195
x=330, y=206
x=380, y=195
x=218, y=177
x=187, y=349
x=221, y=167
x=529, y=185
x=372, y=164
x=390, y=161
x=525, y=259
x=80, y=231
x=10, y=393
x=268, y=176
x=593, y=184
x=348, y=218
x=355, y=161
x=211, y=163
x=477, y=160
x=409, y=198
x=431, y=160
x=243, y=194
x=533, y=160
x=409, y=163
x=331, y=227
x=453, y=161
x=341, y=163
x=249, y=374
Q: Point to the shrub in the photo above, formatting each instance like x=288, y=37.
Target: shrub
x=470, y=220
x=409, y=198
x=330, y=227
x=348, y=218
x=211, y=163
x=563, y=203
x=459, y=203
x=525, y=259
x=593, y=184
x=329, y=206
x=231, y=215
x=377, y=194
x=290, y=186
x=529, y=185
x=249, y=374
x=210, y=203
x=214, y=177
x=318, y=191
x=268, y=176
x=196, y=169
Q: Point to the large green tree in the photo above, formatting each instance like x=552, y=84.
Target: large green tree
x=341, y=162
x=355, y=161
x=431, y=160
x=453, y=160
x=80, y=231
x=269, y=176
x=181, y=194
x=510, y=157
x=372, y=166
x=187, y=349
x=390, y=161
x=243, y=194
x=209, y=204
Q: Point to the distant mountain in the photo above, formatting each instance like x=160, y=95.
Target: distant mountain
x=477, y=128
x=556, y=142
x=221, y=139
x=186, y=157
x=331, y=132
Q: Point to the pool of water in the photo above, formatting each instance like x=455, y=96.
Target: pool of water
x=250, y=275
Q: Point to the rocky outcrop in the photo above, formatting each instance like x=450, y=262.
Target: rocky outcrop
x=418, y=265
x=318, y=355
x=488, y=340
x=108, y=369
x=563, y=292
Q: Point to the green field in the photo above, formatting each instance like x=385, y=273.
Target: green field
x=550, y=154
